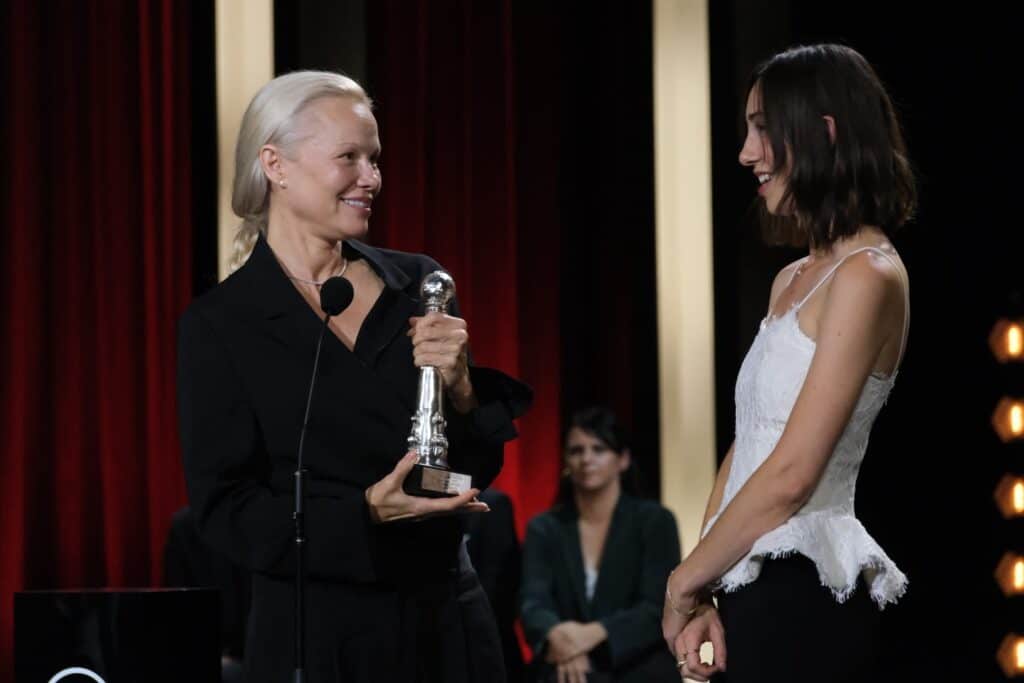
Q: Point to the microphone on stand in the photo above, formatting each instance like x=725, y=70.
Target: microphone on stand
x=335, y=296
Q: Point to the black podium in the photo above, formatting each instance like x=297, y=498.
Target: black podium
x=117, y=636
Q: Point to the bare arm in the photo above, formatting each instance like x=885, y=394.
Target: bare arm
x=715, y=501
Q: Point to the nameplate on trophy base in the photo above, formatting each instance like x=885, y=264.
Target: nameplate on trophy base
x=436, y=482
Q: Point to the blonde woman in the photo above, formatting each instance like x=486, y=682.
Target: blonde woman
x=388, y=599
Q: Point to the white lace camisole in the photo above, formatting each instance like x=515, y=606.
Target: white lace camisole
x=825, y=529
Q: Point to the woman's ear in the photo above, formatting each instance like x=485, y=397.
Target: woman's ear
x=270, y=160
x=624, y=460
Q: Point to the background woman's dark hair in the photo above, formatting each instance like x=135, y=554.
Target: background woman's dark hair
x=865, y=177
x=601, y=423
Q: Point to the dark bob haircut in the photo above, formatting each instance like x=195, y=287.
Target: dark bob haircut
x=865, y=177
x=602, y=424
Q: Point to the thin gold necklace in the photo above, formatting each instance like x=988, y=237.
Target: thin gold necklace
x=344, y=267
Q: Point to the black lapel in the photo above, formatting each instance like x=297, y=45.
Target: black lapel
x=574, y=558
x=390, y=315
x=388, y=318
x=282, y=311
x=615, y=554
x=279, y=307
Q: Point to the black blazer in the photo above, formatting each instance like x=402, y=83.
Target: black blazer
x=641, y=549
x=245, y=359
x=190, y=563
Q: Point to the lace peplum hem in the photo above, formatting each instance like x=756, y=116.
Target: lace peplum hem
x=838, y=545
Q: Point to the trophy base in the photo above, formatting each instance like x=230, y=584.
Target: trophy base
x=435, y=482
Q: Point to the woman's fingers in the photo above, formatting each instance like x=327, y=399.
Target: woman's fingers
x=401, y=470
x=690, y=653
x=687, y=673
x=463, y=502
x=389, y=503
x=440, y=341
x=703, y=628
x=435, y=326
x=692, y=638
x=696, y=668
x=717, y=634
x=576, y=670
x=438, y=355
x=679, y=647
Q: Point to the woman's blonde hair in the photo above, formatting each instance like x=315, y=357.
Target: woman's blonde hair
x=271, y=118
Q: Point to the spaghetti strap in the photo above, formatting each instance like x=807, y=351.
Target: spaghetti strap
x=797, y=266
x=905, y=286
x=828, y=275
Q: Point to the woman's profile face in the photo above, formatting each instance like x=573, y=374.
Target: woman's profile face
x=332, y=175
x=757, y=155
x=592, y=465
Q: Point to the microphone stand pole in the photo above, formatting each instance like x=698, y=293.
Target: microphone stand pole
x=300, y=528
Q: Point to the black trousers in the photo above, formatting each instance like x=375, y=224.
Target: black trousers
x=442, y=632
x=787, y=627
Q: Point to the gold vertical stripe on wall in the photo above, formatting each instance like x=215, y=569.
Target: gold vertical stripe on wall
x=245, y=61
x=686, y=358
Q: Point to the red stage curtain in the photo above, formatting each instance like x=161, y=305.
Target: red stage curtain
x=459, y=186
x=96, y=266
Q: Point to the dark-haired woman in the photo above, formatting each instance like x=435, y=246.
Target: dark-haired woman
x=799, y=580
x=594, y=567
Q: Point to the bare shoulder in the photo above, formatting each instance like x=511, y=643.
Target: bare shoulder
x=873, y=269
x=870, y=281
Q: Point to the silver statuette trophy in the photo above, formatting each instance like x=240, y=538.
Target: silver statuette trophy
x=431, y=475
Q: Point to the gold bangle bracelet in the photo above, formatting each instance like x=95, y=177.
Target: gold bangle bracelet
x=672, y=606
